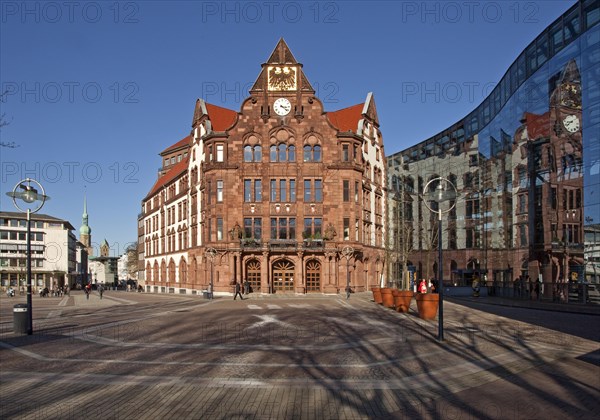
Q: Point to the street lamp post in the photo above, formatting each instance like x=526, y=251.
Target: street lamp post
x=30, y=196
x=444, y=191
x=211, y=253
x=347, y=252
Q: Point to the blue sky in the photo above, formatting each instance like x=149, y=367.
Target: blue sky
x=96, y=89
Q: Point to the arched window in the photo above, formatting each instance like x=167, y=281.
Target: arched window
x=282, y=152
x=257, y=153
x=317, y=153
x=312, y=153
x=307, y=153
x=248, y=154
x=252, y=153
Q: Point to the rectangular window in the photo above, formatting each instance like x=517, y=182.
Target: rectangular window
x=318, y=190
x=219, y=229
x=307, y=191
x=523, y=234
x=345, y=152
x=220, y=152
x=356, y=229
x=257, y=228
x=219, y=192
x=282, y=190
x=247, y=190
x=346, y=190
x=292, y=190
x=273, y=190
x=313, y=227
x=209, y=188
x=257, y=190
x=346, y=229
x=356, y=191
x=283, y=228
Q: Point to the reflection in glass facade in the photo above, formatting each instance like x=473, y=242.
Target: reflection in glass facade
x=526, y=163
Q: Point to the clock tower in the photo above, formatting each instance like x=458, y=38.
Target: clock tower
x=281, y=85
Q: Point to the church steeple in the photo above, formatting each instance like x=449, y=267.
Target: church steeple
x=85, y=232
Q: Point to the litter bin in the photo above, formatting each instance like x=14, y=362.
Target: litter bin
x=20, y=319
x=207, y=295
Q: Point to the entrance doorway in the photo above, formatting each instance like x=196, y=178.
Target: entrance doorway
x=283, y=276
x=313, y=276
x=253, y=274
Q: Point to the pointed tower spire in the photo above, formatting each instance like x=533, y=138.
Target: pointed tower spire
x=85, y=232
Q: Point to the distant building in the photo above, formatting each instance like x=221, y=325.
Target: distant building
x=103, y=269
x=57, y=257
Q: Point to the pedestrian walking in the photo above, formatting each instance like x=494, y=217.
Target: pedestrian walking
x=348, y=291
x=237, y=291
x=100, y=290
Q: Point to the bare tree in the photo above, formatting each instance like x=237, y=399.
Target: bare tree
x=132, y=259
x=3, y=123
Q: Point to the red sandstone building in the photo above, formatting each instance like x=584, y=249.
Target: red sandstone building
x=277, y=189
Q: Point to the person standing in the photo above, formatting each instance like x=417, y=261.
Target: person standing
x=423, y=286
x=237, y=291
x=101, y=290
x=246, y=287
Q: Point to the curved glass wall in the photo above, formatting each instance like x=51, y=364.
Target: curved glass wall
x=530, y=158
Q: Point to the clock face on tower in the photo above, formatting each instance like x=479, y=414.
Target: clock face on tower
x=282, y=106
x=571, y=123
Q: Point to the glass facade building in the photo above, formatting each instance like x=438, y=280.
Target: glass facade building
x=526, y=163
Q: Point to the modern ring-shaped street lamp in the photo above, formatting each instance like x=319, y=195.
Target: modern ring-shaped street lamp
x=347, y=252
x=443, y=191
x=211, y=253
x=30, y=195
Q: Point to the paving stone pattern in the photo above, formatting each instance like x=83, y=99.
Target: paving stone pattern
x=142, y=356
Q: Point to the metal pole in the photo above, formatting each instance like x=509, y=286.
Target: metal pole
x=347, y=273
x=440, y=280
x=29, y=280
x=211, y=278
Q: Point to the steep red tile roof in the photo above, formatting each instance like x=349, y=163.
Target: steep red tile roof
x=220, y=118
x=346, y=119
x=182, y=142
x=176, y=170
x=538, y=126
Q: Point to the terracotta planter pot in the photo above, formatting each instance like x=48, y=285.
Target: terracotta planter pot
x=387, y=297
x=377, y=295
x=402, y=299
x=428, y=304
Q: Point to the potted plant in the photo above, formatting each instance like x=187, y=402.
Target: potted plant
x=402, y=299
x=427, y=305
x=377, y=295
x=387, y=297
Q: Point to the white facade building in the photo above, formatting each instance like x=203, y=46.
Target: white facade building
x=54, y=251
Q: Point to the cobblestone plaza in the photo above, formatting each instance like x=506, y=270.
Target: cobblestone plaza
x=134, y=355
